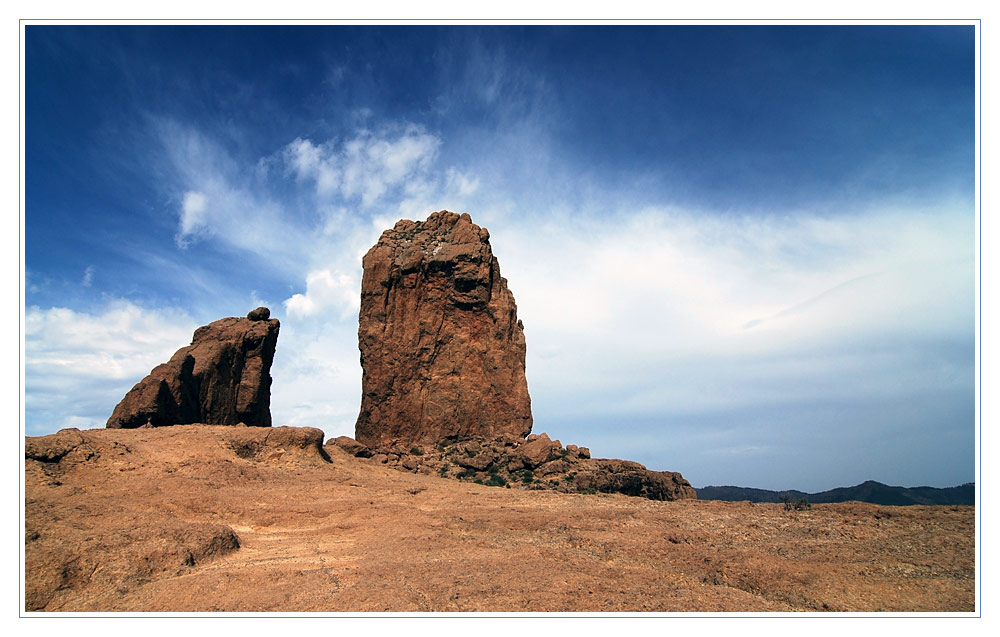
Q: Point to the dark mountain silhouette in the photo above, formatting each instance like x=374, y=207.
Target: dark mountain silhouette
x=870, y=491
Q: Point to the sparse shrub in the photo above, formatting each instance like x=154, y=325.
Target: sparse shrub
x=443, y=471
x=466, y=473
x=589, y=491
x=568, y=478
x=494, y=469
x=799, y=505
x=527, y=476
x=496, y=481
x=416, y=451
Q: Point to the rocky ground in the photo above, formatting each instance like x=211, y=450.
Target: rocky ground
x=537, y=463
x=197, y=518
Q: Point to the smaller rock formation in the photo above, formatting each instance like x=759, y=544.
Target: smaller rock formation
x=221, y=378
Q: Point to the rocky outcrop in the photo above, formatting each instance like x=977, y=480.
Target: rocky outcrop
x=632, y=478
x=441, y=346
x=539, y=463
x=221, y=378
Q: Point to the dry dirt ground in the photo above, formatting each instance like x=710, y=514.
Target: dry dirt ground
x=196, y=518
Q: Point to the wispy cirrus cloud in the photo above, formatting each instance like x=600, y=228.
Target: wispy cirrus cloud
x=365, y=167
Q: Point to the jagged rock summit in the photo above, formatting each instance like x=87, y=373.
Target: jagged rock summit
x=221, y=378
x=441, y=346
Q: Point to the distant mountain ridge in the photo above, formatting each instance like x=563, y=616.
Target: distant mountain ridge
x=869, y=491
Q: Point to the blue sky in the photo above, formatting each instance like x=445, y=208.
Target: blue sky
x=745, y=253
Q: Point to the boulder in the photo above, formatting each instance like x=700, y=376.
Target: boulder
x=409, y=461
x=259, y=314
x=221, y=378
x=442, y=349
x=553, y=467
x=538, y=451
x=351, y=446
x=479, y=462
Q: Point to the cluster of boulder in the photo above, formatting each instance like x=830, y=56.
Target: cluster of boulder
x=536, y=463
x=443, y=387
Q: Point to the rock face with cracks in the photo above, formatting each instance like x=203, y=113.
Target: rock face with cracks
x=221, y=378
x=441, y=346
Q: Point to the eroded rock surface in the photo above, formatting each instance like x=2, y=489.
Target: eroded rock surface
x=221, y=378
x=441, y=346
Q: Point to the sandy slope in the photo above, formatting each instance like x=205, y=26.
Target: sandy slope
x=198, y=518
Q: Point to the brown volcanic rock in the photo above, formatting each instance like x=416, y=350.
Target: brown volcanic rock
x=221, y=378
x=441, y=346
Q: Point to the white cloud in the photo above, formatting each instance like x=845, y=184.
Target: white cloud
x=462, y=183
x=707, y=278
x=326, y=290
x=88, y=276
x=78, y=365
x=317, y=374
x=192, y=213
x=365, y=167
x=670, y=312
x=225, y=201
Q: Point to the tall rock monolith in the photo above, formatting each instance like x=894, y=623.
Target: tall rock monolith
x=441, y=346
x=221, y=378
